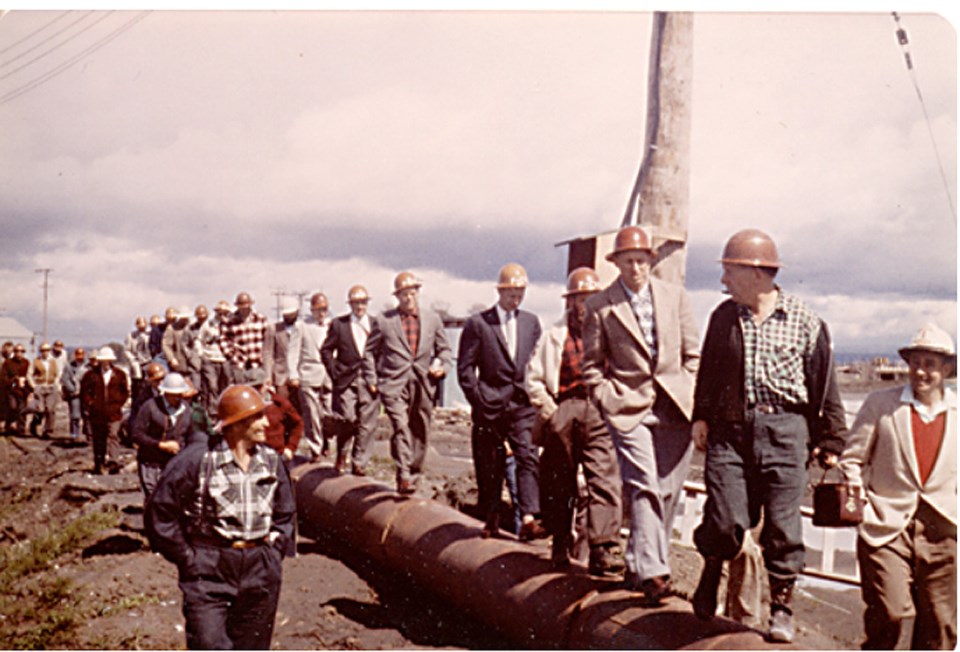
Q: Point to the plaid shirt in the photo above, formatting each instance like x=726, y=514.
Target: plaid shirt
x=242, y=340
x=775, y=351
x=411, y=328
x=642, y=304
x=571, y=360
x=233, y=504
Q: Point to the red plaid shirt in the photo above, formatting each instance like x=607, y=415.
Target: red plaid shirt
x=411, y=328
x=571, y=362
x=242, y=341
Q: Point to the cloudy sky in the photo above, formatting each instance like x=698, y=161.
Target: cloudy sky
x=169, y=157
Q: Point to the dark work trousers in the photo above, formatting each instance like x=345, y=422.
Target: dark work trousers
x=230, y=597
x=752, y=466
x=106, y=441
x=577, y=436
x=489, y=459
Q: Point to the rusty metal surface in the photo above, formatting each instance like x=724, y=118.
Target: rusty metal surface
x=506, y=584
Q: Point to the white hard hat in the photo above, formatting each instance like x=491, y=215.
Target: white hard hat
x=106, y=353
x=289, y=305
x=173, y=383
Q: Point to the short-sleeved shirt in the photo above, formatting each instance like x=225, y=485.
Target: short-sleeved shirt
x=775, y=351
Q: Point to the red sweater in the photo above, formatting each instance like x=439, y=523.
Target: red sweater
x=284, y=425
x=927, y=438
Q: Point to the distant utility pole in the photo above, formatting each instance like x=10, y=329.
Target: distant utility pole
x=278, y=293
x=46, y=284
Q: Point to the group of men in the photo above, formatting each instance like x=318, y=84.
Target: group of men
x=621, y=389
x=31, y=388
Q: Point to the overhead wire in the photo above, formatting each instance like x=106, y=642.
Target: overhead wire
x=33, y=33
x=904, y=42
x=53, y=72
x=47, y=40
x=55, y=47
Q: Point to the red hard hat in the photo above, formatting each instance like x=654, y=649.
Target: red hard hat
x=582, y=280
x=238, y=402
x=752, y=248
x=630, y=238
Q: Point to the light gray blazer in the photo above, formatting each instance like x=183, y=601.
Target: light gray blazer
x=390, y=358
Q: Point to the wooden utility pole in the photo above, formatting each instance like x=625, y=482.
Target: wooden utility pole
x=660, y=199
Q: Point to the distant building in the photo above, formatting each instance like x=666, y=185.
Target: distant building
x=13, y=331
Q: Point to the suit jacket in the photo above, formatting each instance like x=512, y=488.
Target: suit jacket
x=543, y=371
x=175, y=350
x=390, y=361
x=881, y=457
x=340, y=355
x=276, y=343
x=303, y=353
x=617, y=365
x=104, y=404
x=491, y=380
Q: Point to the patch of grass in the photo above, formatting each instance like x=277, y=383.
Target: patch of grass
x=128, y=602
x=41, y=611
x=35, y=555
x=16, y=499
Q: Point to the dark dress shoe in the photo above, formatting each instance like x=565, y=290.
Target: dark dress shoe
x=404, y=488
x=531, y=530
x=339, y=464
x=655, y=589
x=491, y=529
x=359, y=471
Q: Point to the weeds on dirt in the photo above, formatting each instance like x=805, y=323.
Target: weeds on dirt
x=40, y=611
x=128, y=602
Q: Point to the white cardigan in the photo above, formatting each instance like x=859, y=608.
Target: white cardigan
x=880, y=456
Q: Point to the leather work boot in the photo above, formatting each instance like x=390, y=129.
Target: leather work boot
x=603, y=562
x=705, y=597
x=781, y=616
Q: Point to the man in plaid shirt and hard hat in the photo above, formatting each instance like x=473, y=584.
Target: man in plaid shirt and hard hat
x=224, y=514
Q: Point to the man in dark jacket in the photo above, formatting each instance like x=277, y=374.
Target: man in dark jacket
x=14, y=376
x=103, y=391
x=161, y=429
x=355, y=407
x=766, y=395
x=70, y=386
x=224, y=513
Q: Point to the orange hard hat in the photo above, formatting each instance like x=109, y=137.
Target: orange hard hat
x=512, y=275
x=405, y=280
x=154, y=371
x=238, y=402
x=752, y=248
x=630, y=238
x=582, y=280
x=358, y=293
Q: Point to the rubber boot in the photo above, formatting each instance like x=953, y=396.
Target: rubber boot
x=705, y=597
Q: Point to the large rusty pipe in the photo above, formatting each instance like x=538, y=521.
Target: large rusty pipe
x=508, y=585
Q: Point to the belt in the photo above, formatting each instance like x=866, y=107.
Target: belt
x=767, y=408
x=219, y=542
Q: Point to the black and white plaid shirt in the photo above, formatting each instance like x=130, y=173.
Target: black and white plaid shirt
x=775, y=351
x=241, y=340
x=237, y=505
x=642, y=304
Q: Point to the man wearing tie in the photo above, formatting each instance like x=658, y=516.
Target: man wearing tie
x=355, y=407
x=495, y=347
x=641, y=354
x=408, y=357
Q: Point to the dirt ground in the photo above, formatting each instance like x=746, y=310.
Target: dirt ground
x=108, y=591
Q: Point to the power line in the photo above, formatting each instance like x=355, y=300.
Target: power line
x=904, y=42
x=79, y=20
x=41, y=80
x=33, y=33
